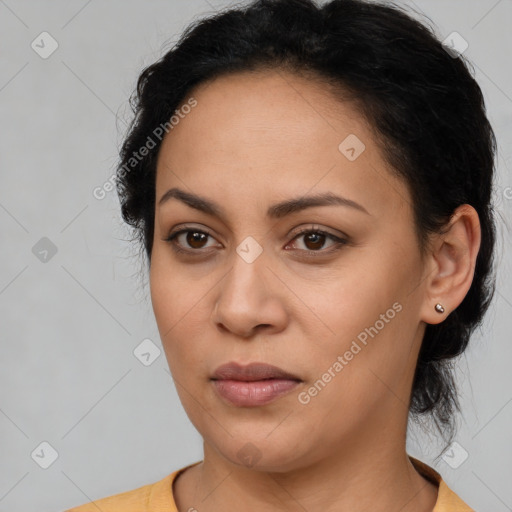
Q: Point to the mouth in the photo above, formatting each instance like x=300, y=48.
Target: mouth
x=252, y=385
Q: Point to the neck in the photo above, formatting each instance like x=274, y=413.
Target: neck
x=369, y=473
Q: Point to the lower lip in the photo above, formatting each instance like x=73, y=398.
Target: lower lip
x=254, y=393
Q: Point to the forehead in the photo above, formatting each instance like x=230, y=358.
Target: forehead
x=268, y=108
x=266, y=102
x=276, y=132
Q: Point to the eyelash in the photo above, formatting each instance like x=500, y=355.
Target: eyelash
x=339, y=242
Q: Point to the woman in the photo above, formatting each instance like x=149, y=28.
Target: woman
x=311, y=186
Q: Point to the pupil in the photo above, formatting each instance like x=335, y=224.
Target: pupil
x=317, y=236
x=195, y=237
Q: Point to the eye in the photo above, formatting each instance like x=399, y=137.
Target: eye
x=194, y=241
x=314, y=239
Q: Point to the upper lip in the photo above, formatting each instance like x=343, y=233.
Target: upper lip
x=251, y=372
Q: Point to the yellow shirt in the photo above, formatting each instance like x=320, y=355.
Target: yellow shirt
x=158, y=497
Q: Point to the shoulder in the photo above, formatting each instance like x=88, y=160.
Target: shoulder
x=447, y=500
x=141, y=499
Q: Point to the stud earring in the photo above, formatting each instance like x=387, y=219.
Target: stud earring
x=439, y=308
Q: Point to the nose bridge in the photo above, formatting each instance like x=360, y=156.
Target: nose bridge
x=249, y=250
x=243, y=292
x=248, y=264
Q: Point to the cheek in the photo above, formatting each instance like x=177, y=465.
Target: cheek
x=164, y=298
x=362, y=316
x=172, y=293
x=357, y=372
x=179, y=310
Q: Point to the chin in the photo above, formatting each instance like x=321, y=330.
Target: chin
x=262, y=453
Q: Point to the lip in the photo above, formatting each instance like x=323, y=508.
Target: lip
x=251, y=372
x=254, y=384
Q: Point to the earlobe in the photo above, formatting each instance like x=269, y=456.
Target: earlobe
x=453, y=256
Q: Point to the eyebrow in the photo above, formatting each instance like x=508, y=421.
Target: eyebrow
x=275, y=211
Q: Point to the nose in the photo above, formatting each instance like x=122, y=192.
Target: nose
x=250, y=299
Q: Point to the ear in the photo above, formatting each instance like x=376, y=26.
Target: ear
x=452, y=262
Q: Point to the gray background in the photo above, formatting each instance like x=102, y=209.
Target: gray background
x=69, y=325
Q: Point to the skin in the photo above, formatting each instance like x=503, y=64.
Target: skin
x=254, y=140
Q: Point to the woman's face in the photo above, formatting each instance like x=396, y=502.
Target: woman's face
x=343, y=317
